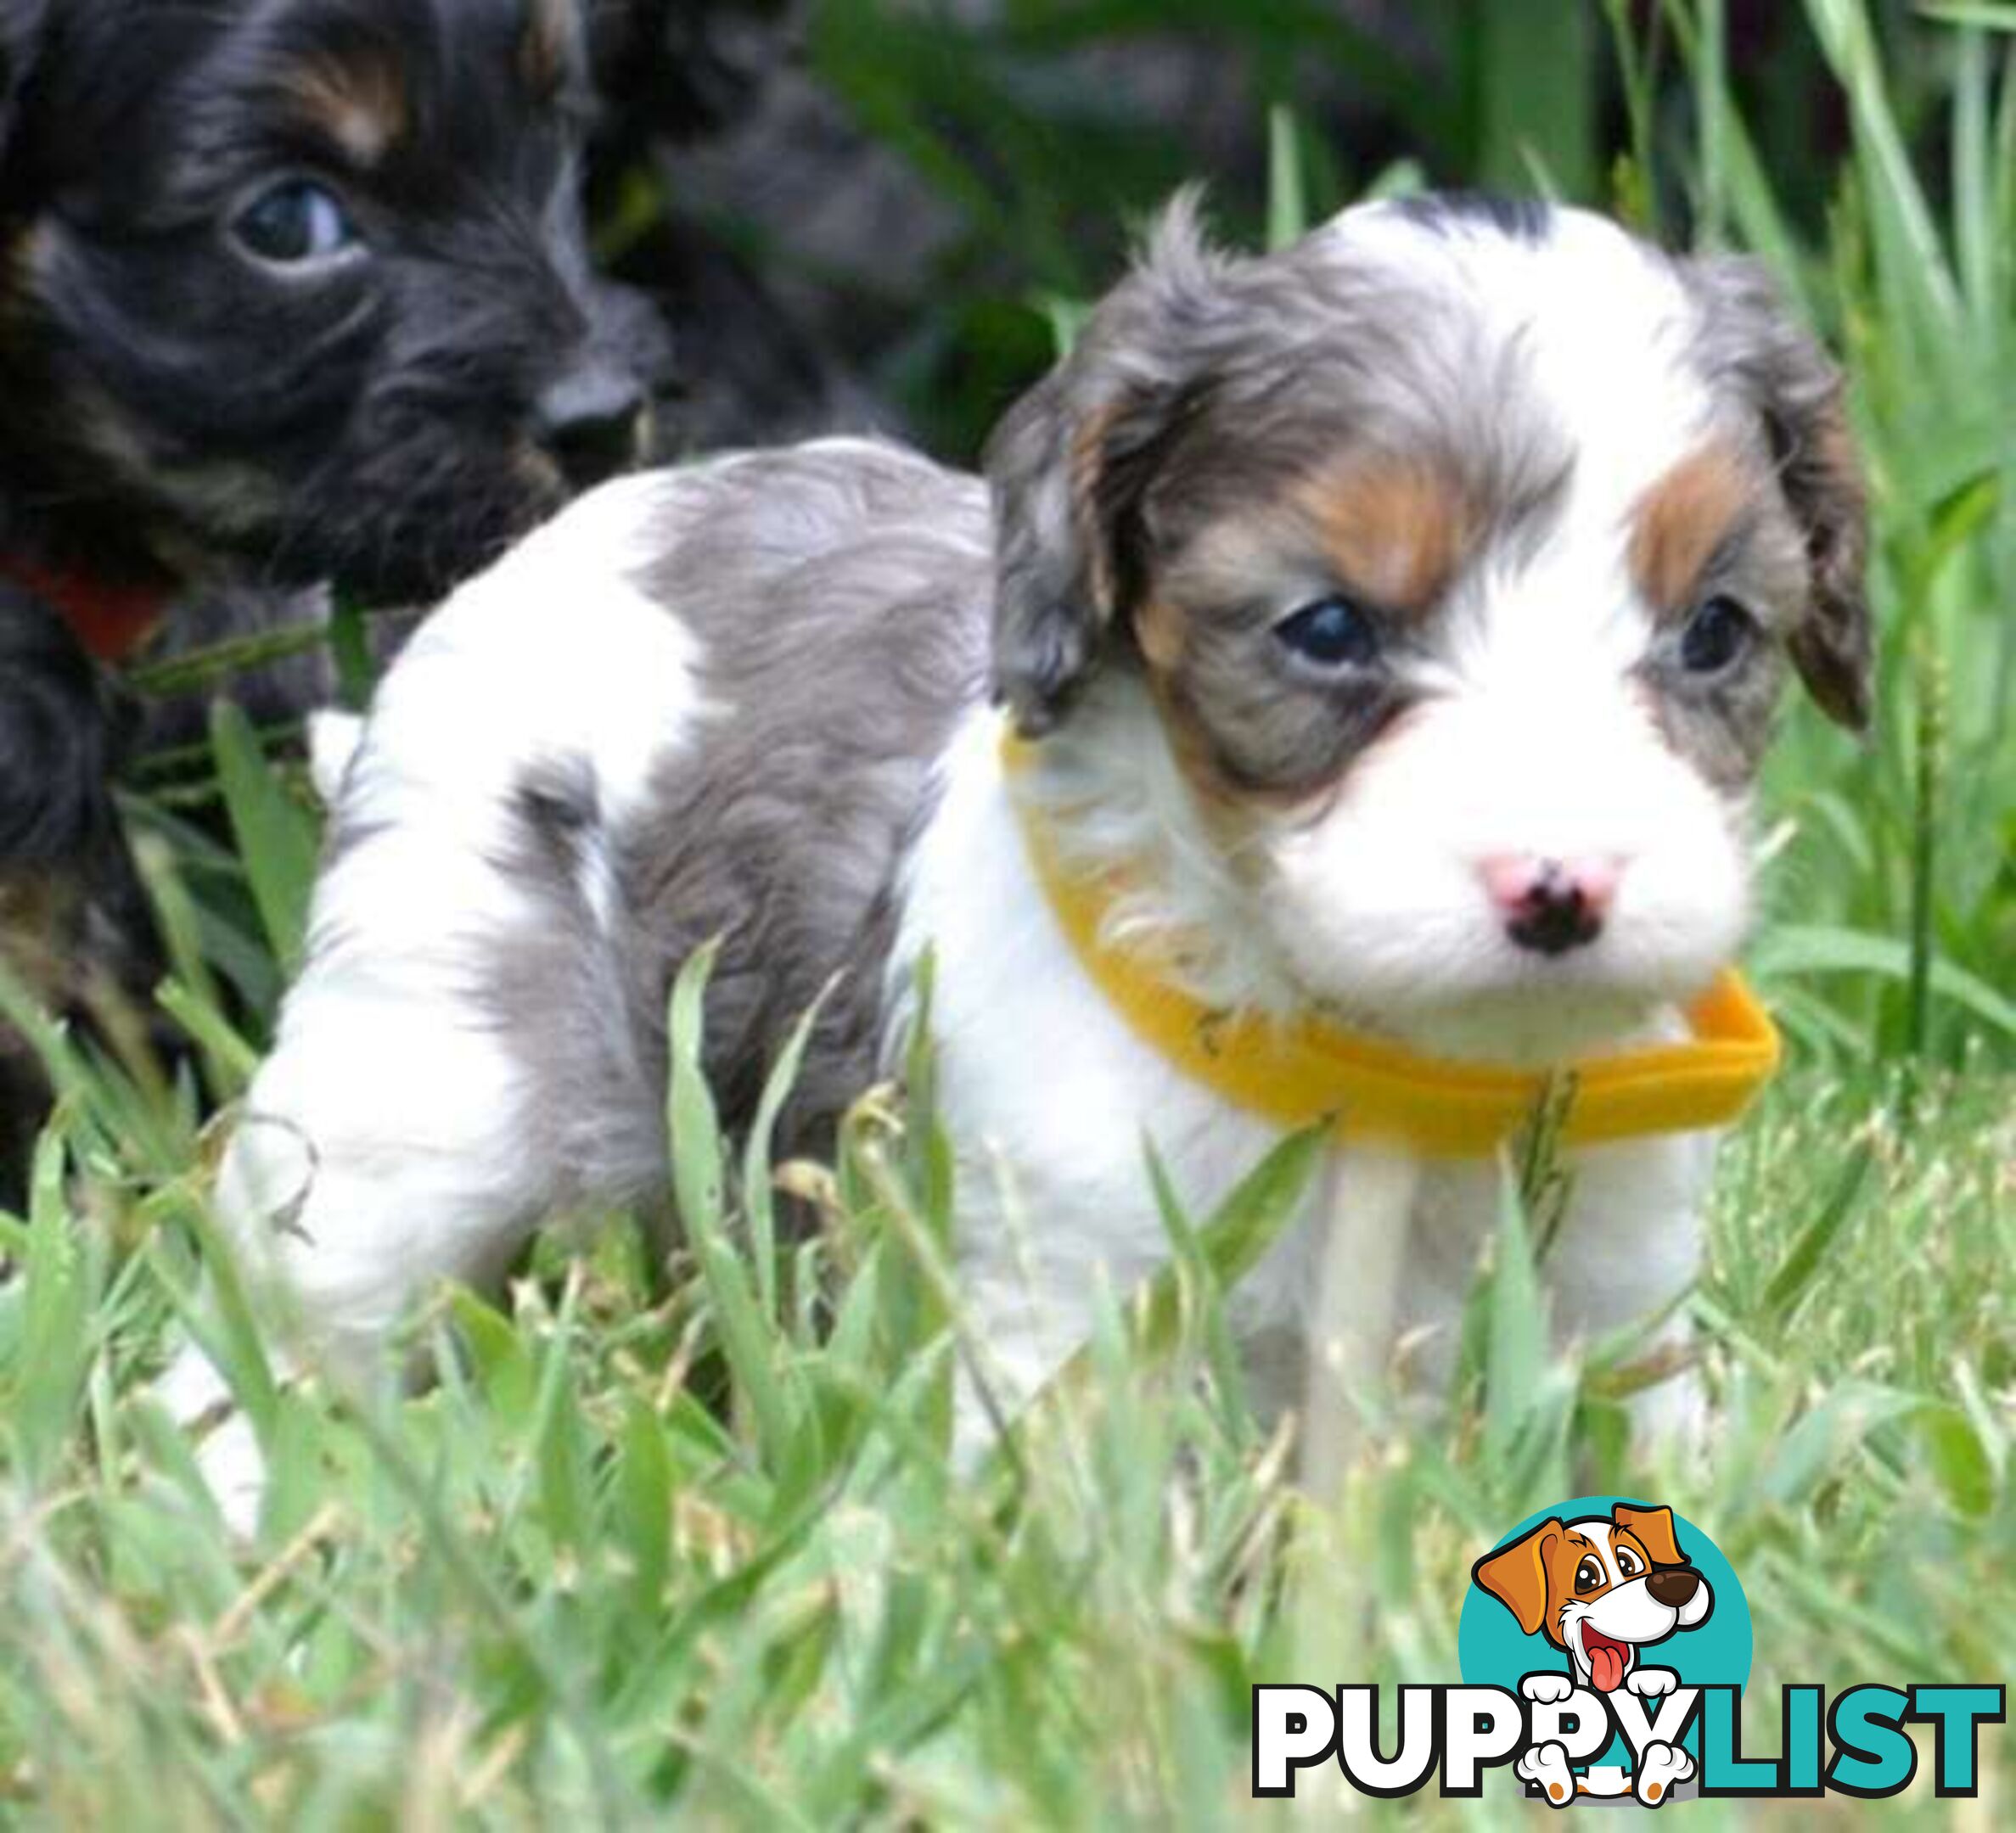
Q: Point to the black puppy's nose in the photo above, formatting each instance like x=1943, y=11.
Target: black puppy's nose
x=589, y=422
x=1674, y=1586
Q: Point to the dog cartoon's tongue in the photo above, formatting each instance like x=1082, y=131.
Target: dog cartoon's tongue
x=1607, y=1658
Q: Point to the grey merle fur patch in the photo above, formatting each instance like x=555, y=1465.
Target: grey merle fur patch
x=838, y=597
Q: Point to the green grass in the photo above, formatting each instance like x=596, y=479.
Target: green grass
x=690, y=1544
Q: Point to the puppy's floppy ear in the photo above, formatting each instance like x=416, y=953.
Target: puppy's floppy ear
x=1069, y=467
x=1516, y=1575
x=21, y=23
x=1655, y=1526
x=1753, y=338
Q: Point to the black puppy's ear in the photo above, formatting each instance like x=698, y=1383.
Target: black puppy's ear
x=1799, y=392
x=21, y=23
x=1069, y=466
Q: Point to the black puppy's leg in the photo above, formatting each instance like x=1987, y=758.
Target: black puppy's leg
x=56, y=741
x=61, y=848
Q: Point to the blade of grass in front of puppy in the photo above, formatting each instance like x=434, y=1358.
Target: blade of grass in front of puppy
x=64, y=1274
x=220, y=1319
x=350, y=647
x=536, y=1660
x=698, y=1184
x=1203, y=1290
x=231, y=1063
x=1515, y=1354
x=1958, y=1456
x=1803, y=1259
x=566, y=1477
x=930, y=1172
x=275, y=833
x=196, y=669
x=759, y=1197
x=190, y=994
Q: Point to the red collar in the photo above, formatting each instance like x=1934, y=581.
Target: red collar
x=111, y=621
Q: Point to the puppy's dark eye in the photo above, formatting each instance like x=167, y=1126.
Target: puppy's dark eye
x=1629, y=1563
x=1718, y=632
x=1333, y=633
x=294, y=223
x=1588, y=1575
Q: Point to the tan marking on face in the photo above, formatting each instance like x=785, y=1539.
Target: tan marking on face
x=1395, y=529
x=543, y=47
x=1162, y=631
x=1682, y=520
x=358, y=102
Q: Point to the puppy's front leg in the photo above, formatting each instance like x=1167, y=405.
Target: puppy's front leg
x=1031, y=1292
x=1367, y=1206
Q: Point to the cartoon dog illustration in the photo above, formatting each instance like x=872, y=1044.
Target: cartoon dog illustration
x=1601, y=1588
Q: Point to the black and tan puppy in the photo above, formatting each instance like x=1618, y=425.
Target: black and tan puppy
x=290, y=293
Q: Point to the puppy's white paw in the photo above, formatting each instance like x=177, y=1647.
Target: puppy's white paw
x=235, y=1468
x=1546, y=1689
x=1651, y=1683
x=1659, y=1767
x=1547, y=1764
x=227, y=1454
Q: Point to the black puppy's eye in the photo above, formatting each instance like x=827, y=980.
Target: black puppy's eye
x=1718, y=632
x=1333, y=633
x=1588, y=1575
x=293, y=222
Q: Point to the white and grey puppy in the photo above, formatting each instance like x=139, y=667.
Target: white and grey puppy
x=1401, y=615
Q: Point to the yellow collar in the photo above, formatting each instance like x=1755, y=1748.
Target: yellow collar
x=1302, y=1071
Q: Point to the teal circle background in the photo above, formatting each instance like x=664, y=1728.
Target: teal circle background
x=1492, y=1651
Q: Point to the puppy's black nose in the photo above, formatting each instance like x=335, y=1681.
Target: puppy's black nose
x=1674, y=1585
x=1550, y=905
x=589, y=422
